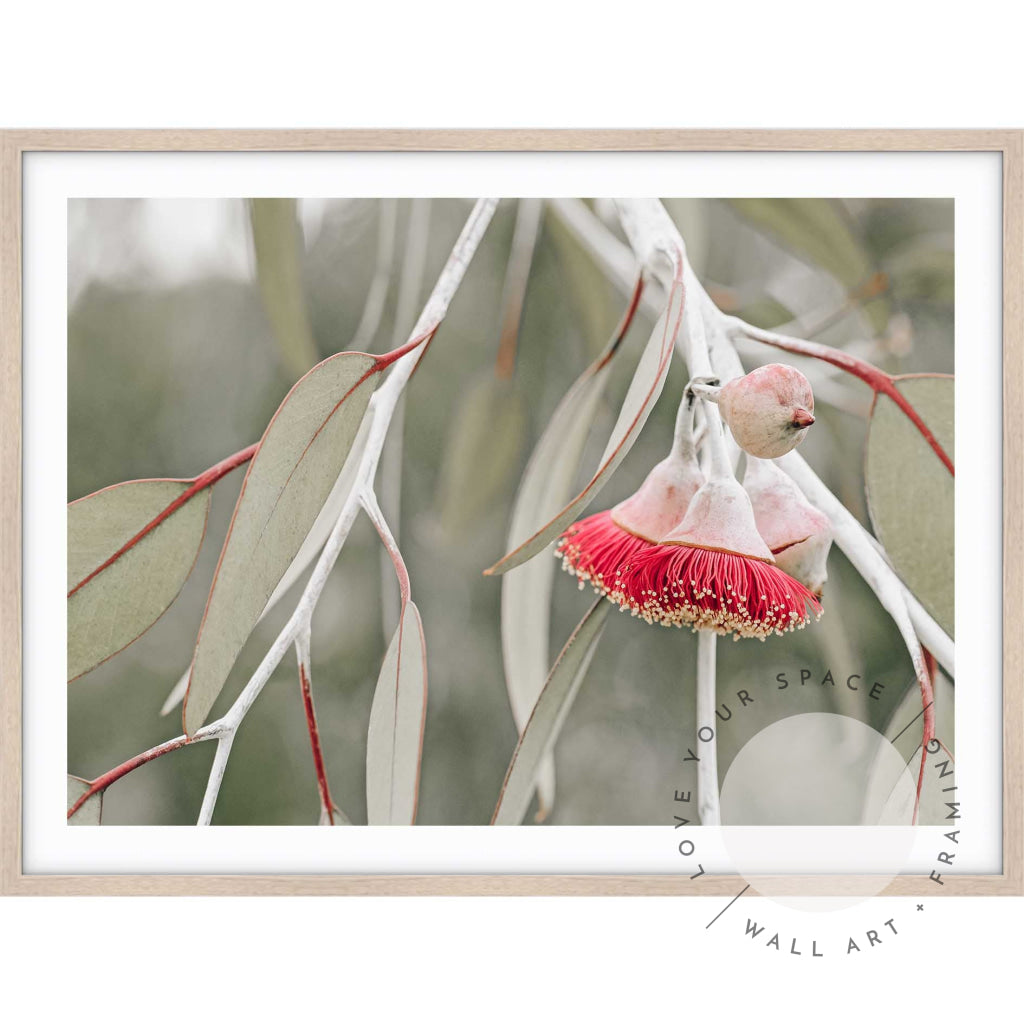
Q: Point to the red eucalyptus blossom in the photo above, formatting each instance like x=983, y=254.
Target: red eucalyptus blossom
x=685, y=551
x=601, y=548
x=714, y=571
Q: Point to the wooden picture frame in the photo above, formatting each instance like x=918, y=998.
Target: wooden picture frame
x=14, y=145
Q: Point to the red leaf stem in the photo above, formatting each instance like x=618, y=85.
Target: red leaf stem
x=314, y=741
x=200, y=483
x=100, y=784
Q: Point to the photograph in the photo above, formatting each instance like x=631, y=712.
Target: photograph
x=511, y=515
x=560, y=511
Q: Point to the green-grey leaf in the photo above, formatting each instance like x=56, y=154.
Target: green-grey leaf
x=644, y=391
x=311, y=546
x=904, y=732
x=526, y=591
x=277, y=243
x=289, y=479
x=594, y=304
x=820, y=232
x=394, y=741
x=482, y=453
x=119, y=603
x=549, y=714
x=91, y=811
x=910, y=492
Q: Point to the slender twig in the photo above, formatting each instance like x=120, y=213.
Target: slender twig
x=659, y=247
x=390, y=483
x=880, y=381
x=618, y=263
x=707, y=766
x=107, y=778
x=379, y=413
x=381, y=409
x=517, y=276
x=872, y=566
x=708, y=349
x=368, y=500
x=614, y=258
x=220, y=763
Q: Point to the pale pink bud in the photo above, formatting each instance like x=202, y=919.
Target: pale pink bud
x=714, y=571
x=798, y=534
x=600, y=548
x=768, y=410
x=662, y=500
x=720, y=518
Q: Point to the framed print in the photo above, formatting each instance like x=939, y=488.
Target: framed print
x=616, y=536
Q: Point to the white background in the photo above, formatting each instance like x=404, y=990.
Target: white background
x=641, y=64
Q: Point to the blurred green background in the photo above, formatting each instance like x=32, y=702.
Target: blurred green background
x=173, y=364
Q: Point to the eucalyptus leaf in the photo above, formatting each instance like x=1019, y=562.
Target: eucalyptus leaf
x=910, y=492
x=594, y=304
x=820, y=232
x=91, y=811
x=548, y=717
x=644, y=391
x=482, y=453
x=277, y=243
x=311, y=546
x=904, y=732
x=394, y=740
x=526, y=590
x=289, y=480
x=110, y=605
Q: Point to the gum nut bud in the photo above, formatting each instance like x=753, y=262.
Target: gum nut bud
x=721, y=518
x=715, y=572
x=662, y=500
x=798, y=534
x=768, y=410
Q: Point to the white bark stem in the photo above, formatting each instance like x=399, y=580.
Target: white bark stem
x=380, y=411
x=707, y=767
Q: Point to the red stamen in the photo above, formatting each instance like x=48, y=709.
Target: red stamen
x=718, y=590
x=598, y=551
x=676, y=585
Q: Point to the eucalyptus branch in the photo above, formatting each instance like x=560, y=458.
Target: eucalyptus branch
x=368, y=500
x=708, y=349
x=722, y=330
x=872, y=566
x=380, y=411
x=390, y=483
x=707, y=766
x=876, y=379
x=610, y=254
x=379, y=414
